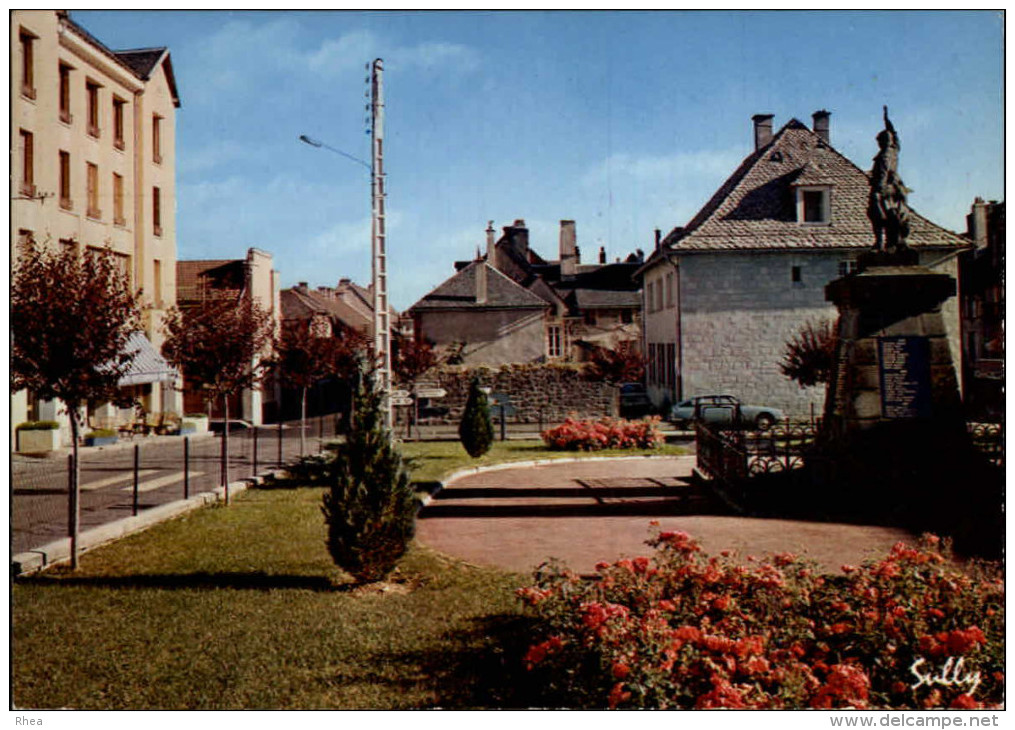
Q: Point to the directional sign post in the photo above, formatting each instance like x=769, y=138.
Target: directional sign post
x=431, y=392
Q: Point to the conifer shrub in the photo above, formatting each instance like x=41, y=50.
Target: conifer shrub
x=476, y=428
x=370, y=507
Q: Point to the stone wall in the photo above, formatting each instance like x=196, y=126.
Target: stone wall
x=539, y=393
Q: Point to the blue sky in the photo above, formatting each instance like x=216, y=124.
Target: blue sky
x=623, y=122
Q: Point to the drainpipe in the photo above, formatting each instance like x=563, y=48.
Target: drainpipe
x=678, y=329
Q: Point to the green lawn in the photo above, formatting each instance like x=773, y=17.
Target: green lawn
x=241, y=607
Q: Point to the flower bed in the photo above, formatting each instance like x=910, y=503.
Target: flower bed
x=685, y=630
x=605, y=433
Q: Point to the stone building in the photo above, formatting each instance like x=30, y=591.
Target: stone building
x=724, y=293
x=253, y=278
x=93, y=164
x=981, y=288
x=510, y=305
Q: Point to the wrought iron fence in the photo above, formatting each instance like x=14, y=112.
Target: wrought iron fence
x=731, y=455
x=988, y=439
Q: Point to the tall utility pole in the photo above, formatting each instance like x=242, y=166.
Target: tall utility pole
x=378, y=243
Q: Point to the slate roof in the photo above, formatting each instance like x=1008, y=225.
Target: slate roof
x=606, y=299
x=459, y=292
x=755, y=208
x=305, y=303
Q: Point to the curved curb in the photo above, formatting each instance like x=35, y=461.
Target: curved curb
x=471, y=470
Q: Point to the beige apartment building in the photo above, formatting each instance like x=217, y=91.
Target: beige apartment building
x=93, y=166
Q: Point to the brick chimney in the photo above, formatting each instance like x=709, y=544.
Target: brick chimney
x=977, y=223
x=821, y=126
x=762, y=130
x=602, y=254
x=518, y=237
x=481, y=281
x=568, y=250
x=491, y=245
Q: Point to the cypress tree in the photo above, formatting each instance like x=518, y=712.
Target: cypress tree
x=476, y=428
x=370, y=508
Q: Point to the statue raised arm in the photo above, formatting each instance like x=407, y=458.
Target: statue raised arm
x=886, y=206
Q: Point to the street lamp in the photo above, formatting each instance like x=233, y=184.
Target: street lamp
x=378, y=237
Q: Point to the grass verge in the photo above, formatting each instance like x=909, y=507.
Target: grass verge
x=241, y=607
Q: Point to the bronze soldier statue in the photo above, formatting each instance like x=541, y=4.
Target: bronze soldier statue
x=886, y=207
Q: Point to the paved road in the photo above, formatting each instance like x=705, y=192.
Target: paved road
x=39, y=509
x=583, y=513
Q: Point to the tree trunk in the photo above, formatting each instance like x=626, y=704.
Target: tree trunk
x=74, y=491
x=303, y=420
x=225, y=449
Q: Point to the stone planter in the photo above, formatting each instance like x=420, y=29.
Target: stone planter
x=37, y=441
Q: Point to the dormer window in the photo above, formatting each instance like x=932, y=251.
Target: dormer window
x=814, y=205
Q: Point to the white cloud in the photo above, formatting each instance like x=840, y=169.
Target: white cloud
x=655, y=169
x=353, y=49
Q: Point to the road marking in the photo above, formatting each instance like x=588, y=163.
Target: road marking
x=160, y=482
x=100, y=483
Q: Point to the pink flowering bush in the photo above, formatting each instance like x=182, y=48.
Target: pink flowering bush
x=605, y=433
x=686, y=630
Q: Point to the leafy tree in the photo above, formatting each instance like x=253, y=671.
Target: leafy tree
x=476, y=428
x=370, y=507
x=413, y=359
x=623, y=364
x=306, y=355
x=810, y=354
x=223, y=344
x=71, y=317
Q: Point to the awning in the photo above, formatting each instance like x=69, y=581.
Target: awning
x=148, y=365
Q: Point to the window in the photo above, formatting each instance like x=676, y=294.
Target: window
x=27, y=164
x=669, y=290
x=65, y=197
x=626, y=316
x=27, y=64
x=92, y=90
x=796, y=275
x=653, y=377
x=65, y=115
x=671, y=367
x=69, y=243
x=157, y=211
x=118, y=105
x=157, y=283
x=118, y=217
x=590, y=317
x=93, y=192
x=814, y=205
x=650, y=296
x=659, y=295
x=847, y=267
x=554, y=346
x=157, y=138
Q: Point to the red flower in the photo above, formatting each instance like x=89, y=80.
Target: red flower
x=965, y=702
x=618, y=695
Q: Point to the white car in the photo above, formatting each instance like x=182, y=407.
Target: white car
x=724, y=409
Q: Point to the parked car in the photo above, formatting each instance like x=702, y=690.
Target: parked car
x=217, y=425
x=724, y=409
x=634, y=402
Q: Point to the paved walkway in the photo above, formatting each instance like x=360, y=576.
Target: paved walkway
x=583, y=513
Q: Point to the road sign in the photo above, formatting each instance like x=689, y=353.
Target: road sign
x=396, y=401
x=399, y=394
x=431, y=392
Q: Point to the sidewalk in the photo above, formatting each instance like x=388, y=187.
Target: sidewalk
x=584, y=513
